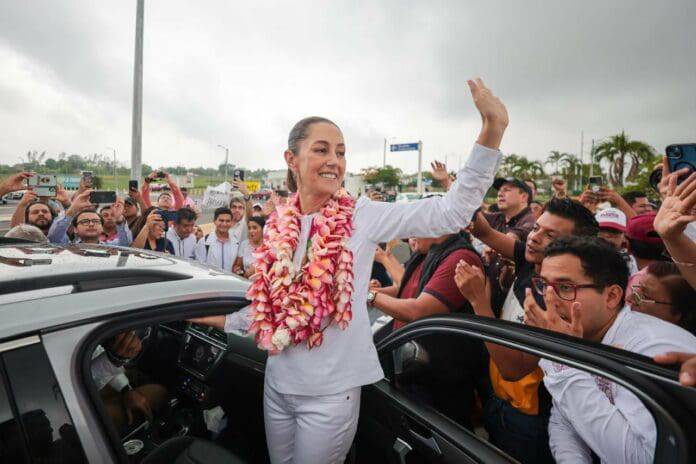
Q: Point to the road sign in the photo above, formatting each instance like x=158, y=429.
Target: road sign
x=404, y=147
x=253, y=185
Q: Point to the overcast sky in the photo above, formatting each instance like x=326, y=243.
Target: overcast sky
x=241, y=73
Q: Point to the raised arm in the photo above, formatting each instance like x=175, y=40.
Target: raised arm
x=176, y=192
x=502, y=243
x=20, y=211
x=145, y=191
x=435, y=217
x=13, y=183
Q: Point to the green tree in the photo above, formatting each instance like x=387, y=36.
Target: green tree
x=388, y=176
x=571, y=170
x=521, y=167
x=555, y=159
x=617, y=151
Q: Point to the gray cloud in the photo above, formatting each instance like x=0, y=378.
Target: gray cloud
x=242, y=74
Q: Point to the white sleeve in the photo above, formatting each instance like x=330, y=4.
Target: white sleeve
x=199, y=253
x=435, y=216
x=566, y=445
x=238, y=321
x=104, y=371
x=618, y=431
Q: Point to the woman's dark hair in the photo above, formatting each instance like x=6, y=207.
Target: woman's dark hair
x=681, y=294
x=601, y=262
x=258, y=220
x=584, y=221
x=140, y=222
x=77, y=216
x=298, y=133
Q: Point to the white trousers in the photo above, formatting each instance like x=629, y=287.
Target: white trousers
x=310, y=429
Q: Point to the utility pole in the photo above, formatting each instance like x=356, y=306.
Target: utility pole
x=137, y=132
x=419, y=183
x=582, y=156
x=384, y=154
x=227, y=156
x=592, y=159
x=115, y=182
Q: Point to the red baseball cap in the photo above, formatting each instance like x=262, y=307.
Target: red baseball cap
x=641, y=228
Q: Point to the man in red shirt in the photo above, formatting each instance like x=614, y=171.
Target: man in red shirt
x=455, y=365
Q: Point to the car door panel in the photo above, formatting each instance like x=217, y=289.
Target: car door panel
x=672, y=406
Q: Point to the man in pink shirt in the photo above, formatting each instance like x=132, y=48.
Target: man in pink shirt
x=167, y=201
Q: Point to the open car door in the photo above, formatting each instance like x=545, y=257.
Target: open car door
x=432, y=368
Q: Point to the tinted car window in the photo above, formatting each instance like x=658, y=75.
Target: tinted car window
x=49, y=430
x=10, y=434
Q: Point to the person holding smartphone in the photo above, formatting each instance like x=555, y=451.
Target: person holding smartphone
x=88, y=224
x=166, y=200
x=152, y=233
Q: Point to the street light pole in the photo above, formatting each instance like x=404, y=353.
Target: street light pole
x=115, y=182
x=137, y=131
x=227, y=156
x=419, y=182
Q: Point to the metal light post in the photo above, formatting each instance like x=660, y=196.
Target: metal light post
x=114, y=150
x=137, y=132
x=419, y=183
x=227, y=156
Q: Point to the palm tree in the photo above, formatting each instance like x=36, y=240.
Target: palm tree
x=556, y=158
x=616, y=149
x=508, y=163
x=572, y=170
x=525, y=169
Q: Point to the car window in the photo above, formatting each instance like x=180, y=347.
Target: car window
x=514, y=409
x=47, y=425
x=11, y=443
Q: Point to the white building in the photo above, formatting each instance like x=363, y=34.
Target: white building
x=276, y=180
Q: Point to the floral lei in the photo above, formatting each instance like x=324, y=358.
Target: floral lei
x=288, y=304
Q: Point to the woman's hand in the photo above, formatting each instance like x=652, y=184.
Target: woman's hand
x=494, y=115
x=676, y=211
x=154, y=223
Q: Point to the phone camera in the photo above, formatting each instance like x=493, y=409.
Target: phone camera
x=674, y=152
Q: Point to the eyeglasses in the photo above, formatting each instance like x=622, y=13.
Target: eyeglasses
x=639, y=297
x=565, y=291
x=84, y=222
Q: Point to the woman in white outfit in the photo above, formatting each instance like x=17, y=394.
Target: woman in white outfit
x=309, y=292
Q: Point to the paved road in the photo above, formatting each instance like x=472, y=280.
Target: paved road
x=7, y=210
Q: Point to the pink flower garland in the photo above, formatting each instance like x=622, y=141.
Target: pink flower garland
x=288, y=304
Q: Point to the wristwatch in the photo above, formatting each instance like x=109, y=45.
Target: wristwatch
x=371, y=297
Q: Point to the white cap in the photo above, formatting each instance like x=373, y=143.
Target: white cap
x=611, y=218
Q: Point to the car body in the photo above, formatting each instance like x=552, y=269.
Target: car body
x=57, y=304
x=16, y=195
x=407, y=197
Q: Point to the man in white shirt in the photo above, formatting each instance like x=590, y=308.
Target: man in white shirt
x=181, y=235
x=238, y=230
x=582, y=281
x=219, y=249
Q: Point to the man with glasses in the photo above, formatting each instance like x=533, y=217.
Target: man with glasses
x=516, y=414
x=582, y=281
x=88, y=224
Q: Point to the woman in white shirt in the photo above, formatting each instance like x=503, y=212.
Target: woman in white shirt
x=309, y=292
x=244, y=264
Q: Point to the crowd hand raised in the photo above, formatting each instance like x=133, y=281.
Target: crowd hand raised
x=381, y=255
x=241, y=186
x=588, y=198
x=439, y=172
x=551, y=319
x=154, y=219
x=134, y=401
x=607, y=194
x=117, y=209
x=663, y=185
x=676, y=211
x=28, y=197
x=14, y=182
x=494, y=115
x=62, y=195
x=559, y=188
x=687, y=375
x=471, y=282
x=80, y=202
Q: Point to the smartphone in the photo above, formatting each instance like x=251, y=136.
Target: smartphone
x=595, y=184
x=238, y=174
x=99, y=197
x=167, y=217
x=681, y=156
x=87, y=177
x=44, y=185
x=132, y=185
x=282, y=193
x=160, y=175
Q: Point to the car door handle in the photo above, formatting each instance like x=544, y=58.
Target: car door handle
x=401, y=449
x=429, y=442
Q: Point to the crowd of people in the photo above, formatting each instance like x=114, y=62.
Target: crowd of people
x=609, y=268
